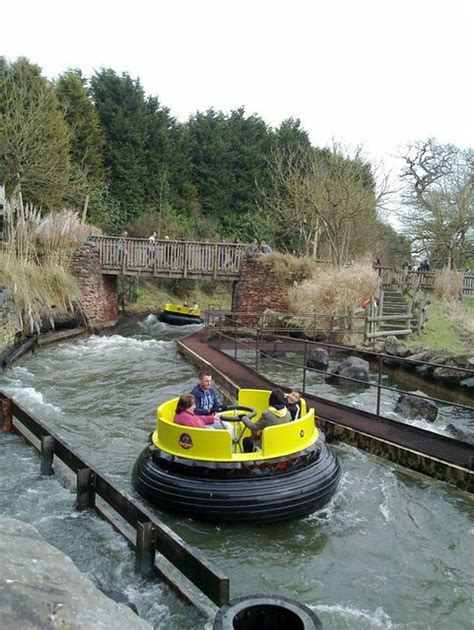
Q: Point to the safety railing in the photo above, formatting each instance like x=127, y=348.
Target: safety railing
x=268, y=343
x=167, y=258
x=152, y=537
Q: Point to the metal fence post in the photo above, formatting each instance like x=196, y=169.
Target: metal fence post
x=304, y=365
x=257, y=350
x=235, y=339
x=47, y=454
x=379, y=381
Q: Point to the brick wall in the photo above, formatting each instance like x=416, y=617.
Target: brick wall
x=99, y=292
x=259, y=289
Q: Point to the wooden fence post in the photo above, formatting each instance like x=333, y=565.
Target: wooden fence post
x=7, y=419
x=145, y=549
x=47, y=455
x=85, y=489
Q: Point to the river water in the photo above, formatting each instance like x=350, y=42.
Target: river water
x=392, y=550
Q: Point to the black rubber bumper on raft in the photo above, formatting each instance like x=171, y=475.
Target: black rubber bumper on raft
x=176, y=319
x=220, y=495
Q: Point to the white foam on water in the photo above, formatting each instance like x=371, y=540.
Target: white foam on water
x=29, y=395
x=356, y=617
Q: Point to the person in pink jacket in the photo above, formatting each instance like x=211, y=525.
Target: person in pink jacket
x=185, y=415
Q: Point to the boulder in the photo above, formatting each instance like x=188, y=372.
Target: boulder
x=460, y=434
x=449, y=375
x=318, y=358
x=419, y=406
x=352, y=367
x=394, y=347
x=42, y=588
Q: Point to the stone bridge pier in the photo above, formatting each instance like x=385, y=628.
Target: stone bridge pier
x=99, y=292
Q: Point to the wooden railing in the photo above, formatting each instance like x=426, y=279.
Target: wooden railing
x=169, y=259
x=425, y=280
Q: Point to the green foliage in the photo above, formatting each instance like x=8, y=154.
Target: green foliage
x=34, y=137
x=120, y=103
x=86, y=133
x=229, y=155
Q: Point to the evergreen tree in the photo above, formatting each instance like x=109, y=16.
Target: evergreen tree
x=86, y=133
x=34, y=137
x=122, y=109
x=291, y=137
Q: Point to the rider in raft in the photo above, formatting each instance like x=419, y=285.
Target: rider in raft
x=277, y=413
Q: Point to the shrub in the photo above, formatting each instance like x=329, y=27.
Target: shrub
x=288, y=267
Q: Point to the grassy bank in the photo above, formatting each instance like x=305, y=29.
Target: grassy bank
x=450, y=326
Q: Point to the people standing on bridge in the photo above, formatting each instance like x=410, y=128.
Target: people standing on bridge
x=151, y=248
x=425, y=265
x=252, y=249
x=265, y=248
x=207, y=402
x=123, y=247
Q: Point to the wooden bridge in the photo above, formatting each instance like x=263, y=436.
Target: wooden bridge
x=169, y=259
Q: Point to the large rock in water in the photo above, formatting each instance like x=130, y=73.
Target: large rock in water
x=352, y=367
x=419, y=406
x=318, y=358
x=40, y=587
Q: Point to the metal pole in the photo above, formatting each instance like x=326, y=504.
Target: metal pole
x=257, y=350
x=378, y=385
x=304, y=365
x=235, y=339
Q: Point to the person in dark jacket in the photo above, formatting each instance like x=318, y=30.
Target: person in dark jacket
x=277, y=413
x=293, y=404
x=207, y=402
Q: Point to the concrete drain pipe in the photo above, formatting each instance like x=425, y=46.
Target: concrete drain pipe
x=266, y=612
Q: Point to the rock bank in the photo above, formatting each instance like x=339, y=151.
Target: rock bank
x=41, y=588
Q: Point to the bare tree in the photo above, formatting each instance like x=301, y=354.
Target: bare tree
x=439, y=197
x=329, y=198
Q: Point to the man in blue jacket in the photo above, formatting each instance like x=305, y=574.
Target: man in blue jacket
x=205, y=395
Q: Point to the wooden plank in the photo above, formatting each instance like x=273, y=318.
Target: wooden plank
x=145, y=549
x=85, y=488
x=47, y=455
x=161, y=569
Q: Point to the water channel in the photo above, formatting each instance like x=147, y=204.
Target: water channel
x=392, y=550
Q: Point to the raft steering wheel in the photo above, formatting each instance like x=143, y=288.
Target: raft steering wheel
x=240, y=411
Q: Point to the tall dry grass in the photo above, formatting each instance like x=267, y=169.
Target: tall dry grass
x=35, y=262
x=448, y=284
x=333, y=290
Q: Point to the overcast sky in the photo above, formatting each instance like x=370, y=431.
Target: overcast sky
x=379, y=73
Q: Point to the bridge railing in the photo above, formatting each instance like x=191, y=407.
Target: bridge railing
x=165, y=257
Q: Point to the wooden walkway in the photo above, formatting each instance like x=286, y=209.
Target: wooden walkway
x=170, y=259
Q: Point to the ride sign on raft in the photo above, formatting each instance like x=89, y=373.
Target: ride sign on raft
x=205, y=474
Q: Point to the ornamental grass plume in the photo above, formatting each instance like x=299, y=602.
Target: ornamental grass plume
x=34, y=263
x=332, y=290
x=288, y=267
